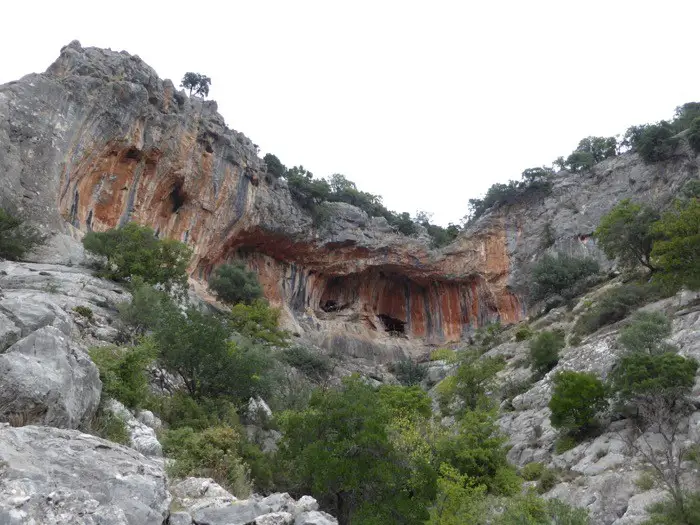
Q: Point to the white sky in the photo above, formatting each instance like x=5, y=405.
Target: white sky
x=425, y=103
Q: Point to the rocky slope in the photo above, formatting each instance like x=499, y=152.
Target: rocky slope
x=99, y=139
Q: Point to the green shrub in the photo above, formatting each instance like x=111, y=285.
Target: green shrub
x=109, y=426
x=576, y=400
x=625, y=234
x=84, y=311
x=146, y=309
x=645, y=481
x=212, y=452
x=233, y=284
x=646, y=333
x=135, y=251
x=408, y=372
x=474, y=377
x=529, y=509
x=123, y=371
x=676, y=251
x=561, y=275
x=564, y=443
x=314, y=365
x=668, y=512
x=613, y=306
x=488, y=336
x=547, y=481
x=181, y=410
x=443, y=354
x=653, y=142
x=16, y=237
x=544, y=350
x=523, y=333
x=532, y=471
x=259, y=322
x=642, y=377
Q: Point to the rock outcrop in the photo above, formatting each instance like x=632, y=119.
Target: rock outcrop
x=207, y=503
x=99, y=140
x=600, y=473
x=50, y=476
x=46, y=376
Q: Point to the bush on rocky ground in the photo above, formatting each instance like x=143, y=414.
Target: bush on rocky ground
x=16, y=237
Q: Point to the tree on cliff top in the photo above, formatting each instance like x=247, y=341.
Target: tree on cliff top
x=196, y=83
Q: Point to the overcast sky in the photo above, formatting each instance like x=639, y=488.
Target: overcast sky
x=425, y=103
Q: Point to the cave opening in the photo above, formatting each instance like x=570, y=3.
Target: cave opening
x=332, y=306
x=133, y=154
x=395, y=327
x=177, y=197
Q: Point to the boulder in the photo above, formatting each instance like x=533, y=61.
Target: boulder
x=315, y=517
x=48, y=379
x=142, y=437
x=53, y=476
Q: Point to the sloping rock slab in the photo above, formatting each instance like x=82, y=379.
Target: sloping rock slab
x=48, y=379
x=50, y=476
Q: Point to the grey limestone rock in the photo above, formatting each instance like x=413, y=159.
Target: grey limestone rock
x=52, y=476
x=47, y=378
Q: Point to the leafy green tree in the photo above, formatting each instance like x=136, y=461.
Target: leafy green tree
x=274, y=165
x=233, y=284
x=196, y=83
x=544, y=350
x=314, y=365
x=677, y=248
x=135, y=251
x=339, y=450
x=580, y=161
x=655, y=142
x=405, y=401
x=646, y=333
x=600, y=148
x=16, y=237
x=576, y=400
x=195, y=345
x=259, y=322
x=626, y=233
x=562, y=275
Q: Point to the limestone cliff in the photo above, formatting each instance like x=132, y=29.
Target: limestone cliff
x=99, y=140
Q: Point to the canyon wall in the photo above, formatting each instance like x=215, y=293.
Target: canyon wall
x=99, y=140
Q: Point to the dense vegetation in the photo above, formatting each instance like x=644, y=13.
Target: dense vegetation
x=312, y=193
x=369, y=455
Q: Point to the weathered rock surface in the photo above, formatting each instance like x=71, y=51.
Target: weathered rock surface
x=142, y=437
x=50, y=476
x=207, y=503
x=47, y=379
x=604, y=468
x=46, y=376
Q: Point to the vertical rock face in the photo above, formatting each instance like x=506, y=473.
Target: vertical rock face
x=99, y=140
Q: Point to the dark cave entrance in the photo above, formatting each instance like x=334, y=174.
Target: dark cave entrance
x=395, y=327
x=177, y=197
x=332, y=306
